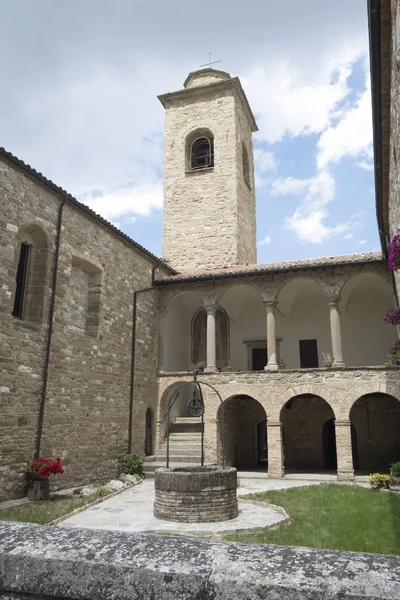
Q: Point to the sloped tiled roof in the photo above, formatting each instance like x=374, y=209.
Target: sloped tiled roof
x=275, y=267
x=58, y=190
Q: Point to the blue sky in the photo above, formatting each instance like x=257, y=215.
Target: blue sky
x=81, y=106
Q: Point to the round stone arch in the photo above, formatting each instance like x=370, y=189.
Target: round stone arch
x=290, y=279
x=367, y=389
x=244, y=423
x=374, y=415
x=300, y=390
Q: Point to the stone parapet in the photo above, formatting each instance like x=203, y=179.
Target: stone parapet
x=44, y=562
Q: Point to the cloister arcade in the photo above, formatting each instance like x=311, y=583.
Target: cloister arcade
x=283, y=433
x=249, y=327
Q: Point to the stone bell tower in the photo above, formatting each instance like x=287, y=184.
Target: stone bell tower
x=209, y=200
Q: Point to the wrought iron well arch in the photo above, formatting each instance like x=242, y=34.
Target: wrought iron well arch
x=196, y=408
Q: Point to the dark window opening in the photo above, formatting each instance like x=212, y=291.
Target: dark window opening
x=246, y=165
x=22, y=274
x=202, y=153
x=308, y=354
x=260, y=359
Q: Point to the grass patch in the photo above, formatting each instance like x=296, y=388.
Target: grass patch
x=333, y=517
x=44, y=511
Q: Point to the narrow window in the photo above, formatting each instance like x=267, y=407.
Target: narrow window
x=246, y=165
x=22, y=275
x=202, y=153
x=308, y=354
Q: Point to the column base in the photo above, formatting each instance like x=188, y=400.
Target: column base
x=210, y=369
x=345, y=476
x=338, y=363
x=271, y=367
x=276, y=475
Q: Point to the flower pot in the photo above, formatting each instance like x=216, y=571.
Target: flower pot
x=39, y=488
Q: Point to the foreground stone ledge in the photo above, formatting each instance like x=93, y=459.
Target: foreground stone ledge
x=80, y=563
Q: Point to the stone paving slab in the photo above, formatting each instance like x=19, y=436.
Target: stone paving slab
x=132, y=511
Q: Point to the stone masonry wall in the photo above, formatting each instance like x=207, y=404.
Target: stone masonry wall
x=197, y=204
x=246, y=208
x=340, y=388
x=88, y=394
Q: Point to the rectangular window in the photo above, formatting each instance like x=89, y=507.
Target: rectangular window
x=308, y=354
x=22, y=275
x=260, y=358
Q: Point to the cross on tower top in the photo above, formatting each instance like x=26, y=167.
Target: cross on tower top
x=210, y=62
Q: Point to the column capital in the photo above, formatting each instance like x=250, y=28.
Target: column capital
x=274, y=423
x=270, y=302
x=333, y=299
x=210, y=308
x=342, y=423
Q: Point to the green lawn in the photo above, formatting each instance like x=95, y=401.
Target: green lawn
x=335, y=517
x=43, y=511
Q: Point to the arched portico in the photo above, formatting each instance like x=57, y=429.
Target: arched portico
x=309, y=442
x=375, y=425
x=245, y=429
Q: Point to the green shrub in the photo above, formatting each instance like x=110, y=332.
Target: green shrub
x=395, y=470
x=100, y=491
x=131, y=464
x=379, y=480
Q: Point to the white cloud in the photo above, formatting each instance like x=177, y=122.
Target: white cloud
x=264, y=161
x=289, y=185
x=307, y=222
x=138, y=200
x=265, y=241
x=298, y=106
x=348, y=236
x=351, y=136
x=368, y=166
x=362, y=242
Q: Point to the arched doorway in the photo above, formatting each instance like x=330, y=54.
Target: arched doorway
x=375, y=419
x=308, y=434
x=245, y=433
x=148, y=440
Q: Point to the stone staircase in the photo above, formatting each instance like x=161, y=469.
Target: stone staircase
x=184, y=446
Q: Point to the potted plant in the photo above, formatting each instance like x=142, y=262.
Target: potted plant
x=328, y=360
x=394, y=252
x=282, y=364
x=38, y=473
x=394, y=353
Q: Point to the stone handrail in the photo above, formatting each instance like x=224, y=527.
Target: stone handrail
x=49, y=562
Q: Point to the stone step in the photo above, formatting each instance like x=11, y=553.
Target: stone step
x=189, y=420
x=185, y=427
x=184, y=435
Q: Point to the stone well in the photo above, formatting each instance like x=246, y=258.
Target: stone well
x=196, y=494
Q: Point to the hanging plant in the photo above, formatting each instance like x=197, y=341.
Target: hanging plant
x=393, y=316
x=394, y=252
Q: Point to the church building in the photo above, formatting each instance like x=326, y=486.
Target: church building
x=97, y=333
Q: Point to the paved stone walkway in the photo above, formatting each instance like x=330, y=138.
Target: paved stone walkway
x=132, y=510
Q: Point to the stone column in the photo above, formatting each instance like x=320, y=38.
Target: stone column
x=334, y=314
x=344, y=454
x=211, y=310
x=272, y=364
x=276, y=466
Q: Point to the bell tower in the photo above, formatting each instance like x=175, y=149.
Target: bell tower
x=209, y=199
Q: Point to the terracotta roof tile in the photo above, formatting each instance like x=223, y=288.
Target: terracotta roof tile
x=275, y=267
